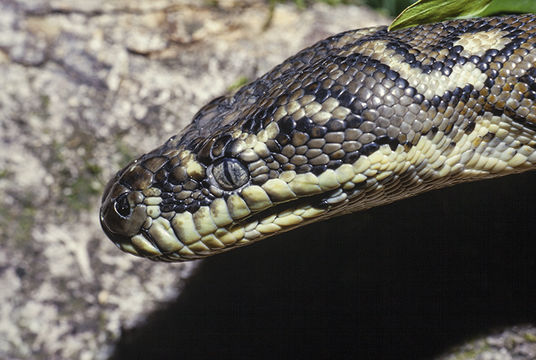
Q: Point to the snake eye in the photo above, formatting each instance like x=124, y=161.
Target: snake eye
x=122, y=206
x=230, y=174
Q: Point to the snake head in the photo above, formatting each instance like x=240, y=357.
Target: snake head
x=187, y=201
x=358, y=120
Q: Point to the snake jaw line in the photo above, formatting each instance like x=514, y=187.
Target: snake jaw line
x=361, y=119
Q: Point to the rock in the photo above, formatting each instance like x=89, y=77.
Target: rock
x=86, y=87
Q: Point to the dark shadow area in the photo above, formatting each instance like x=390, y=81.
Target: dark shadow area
x=403, y=281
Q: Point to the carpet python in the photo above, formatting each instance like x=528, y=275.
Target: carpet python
x=360, y=119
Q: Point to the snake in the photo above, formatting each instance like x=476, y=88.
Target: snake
x=361, y=119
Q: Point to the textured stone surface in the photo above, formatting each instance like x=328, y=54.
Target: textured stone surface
x=517, y=343
x=86, y=86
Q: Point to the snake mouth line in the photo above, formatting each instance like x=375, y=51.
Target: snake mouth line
x=317, y=201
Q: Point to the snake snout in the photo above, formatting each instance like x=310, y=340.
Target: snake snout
x=123, y=212
x=122, y=216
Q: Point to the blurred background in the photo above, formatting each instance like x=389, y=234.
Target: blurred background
x=85, y=86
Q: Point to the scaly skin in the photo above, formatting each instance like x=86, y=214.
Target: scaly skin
x=363, y=118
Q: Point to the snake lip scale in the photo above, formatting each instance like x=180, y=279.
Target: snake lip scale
x=360, y=119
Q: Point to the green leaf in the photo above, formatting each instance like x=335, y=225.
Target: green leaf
x=509, y=7
x=429, y=11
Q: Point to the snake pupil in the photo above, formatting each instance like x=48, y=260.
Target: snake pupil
x=122, y=206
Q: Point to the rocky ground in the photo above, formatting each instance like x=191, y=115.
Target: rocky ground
x=85, y=87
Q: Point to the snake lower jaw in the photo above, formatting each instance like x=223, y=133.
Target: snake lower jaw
x=256, y=226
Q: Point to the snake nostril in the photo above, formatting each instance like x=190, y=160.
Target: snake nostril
x=123, y=215
x=122, y=206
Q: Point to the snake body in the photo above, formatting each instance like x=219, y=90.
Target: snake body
x=360, y=119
